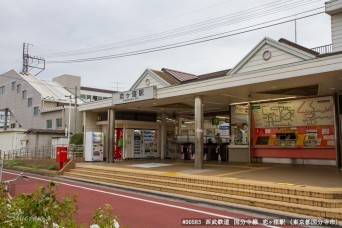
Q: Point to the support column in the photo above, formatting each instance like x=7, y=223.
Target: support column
x=84, y=130
x=110, y=135
x=337, y=129
x=249, y=125
x=250, y=136
x=6, y=115
x=199, y=133
x=84, y=127
x=163, y=136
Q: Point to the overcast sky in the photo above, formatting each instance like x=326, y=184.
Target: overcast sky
x=60, y=29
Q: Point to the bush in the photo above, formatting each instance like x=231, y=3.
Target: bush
x=12, y=163
x=77, y=139
x=53, y=168
x=42, y=208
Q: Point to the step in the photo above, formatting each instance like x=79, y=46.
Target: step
x=331, y=213
x=240, y=184
x=320, y=202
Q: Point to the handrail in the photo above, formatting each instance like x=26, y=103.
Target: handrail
x=323, y=49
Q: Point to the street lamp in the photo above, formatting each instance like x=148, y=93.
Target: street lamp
x=69, y=118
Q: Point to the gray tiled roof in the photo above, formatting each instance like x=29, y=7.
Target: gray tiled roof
x=166, y=77
x=180, y=76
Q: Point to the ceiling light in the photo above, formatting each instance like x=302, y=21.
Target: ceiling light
x=222, y=117
x=211, y=102
x=257, y=101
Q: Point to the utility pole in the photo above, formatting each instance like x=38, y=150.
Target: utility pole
x=75, y=108
x=295, y=29
x=117, y=85
x=69, y=118
x=31, y=62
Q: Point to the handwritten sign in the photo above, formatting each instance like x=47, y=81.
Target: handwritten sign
x=305, y=112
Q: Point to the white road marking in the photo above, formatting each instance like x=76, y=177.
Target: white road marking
x=140, y=199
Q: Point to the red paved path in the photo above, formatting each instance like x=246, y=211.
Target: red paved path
x=134, y=210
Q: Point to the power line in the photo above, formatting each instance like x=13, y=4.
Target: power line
x=190, y=29
x=147, y=24
x=186, y=43
x=166, y=47
x=140, y=40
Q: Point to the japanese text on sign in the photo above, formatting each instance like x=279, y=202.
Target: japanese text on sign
x=134, y=95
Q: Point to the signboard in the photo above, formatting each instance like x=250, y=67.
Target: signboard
x=135, y=95
x=241, y=109
x=305, y=112
x=215, y=121
x=224, y=129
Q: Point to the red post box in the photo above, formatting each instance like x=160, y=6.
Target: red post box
x=61, y=155
x=61, y=148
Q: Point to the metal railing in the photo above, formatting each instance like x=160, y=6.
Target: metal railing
x=323, y=49
x=43, y=152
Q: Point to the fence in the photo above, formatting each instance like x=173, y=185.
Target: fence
x=323, y=49
x=44, y=152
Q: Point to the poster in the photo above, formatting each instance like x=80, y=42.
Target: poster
x=305, y=112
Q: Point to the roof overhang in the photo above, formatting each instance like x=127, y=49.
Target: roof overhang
x=219, y=93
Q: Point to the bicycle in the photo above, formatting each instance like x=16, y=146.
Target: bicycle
x=8, y=186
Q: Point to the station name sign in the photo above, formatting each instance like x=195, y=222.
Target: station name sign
x=135, y=95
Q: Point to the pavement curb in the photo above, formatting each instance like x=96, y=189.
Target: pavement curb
x=43, y=172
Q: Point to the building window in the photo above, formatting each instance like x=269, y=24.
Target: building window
x=18, y=88
x=13, y=85
x=95, y=98
x=24, y=94
x=99, y=98
x=59, y=123
x=13, y=125
x=29, y=102
x=35, y=110
x=48, y=123
x=2, y=90
x=88, y=97
x=83, y=96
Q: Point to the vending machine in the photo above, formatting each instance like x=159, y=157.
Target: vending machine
x=118, y=143
x=94, y=146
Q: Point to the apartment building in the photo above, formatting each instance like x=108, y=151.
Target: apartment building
x=39, y=110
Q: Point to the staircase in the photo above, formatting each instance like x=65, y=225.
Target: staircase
x=311, y=201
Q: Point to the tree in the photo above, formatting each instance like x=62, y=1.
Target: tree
x=77, y=139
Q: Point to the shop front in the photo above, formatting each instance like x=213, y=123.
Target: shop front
x=299, y=131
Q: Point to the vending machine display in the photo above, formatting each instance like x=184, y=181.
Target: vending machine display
x=118, y=143
x=137, y=143
x=150, y=143
x=94, y=146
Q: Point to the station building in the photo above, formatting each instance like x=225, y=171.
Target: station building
x=281, y=103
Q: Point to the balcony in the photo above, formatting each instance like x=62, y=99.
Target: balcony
x=323, y=49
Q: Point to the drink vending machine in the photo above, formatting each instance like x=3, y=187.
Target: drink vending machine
x=93, y=150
